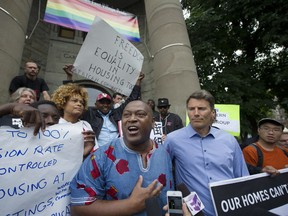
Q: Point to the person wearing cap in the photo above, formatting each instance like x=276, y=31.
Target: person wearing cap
x=105, y=120
x=170, y=121
x=269, y=131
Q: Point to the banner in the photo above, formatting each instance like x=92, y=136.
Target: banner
x=108, y=59
x=228, y=118
x=35, y=171
x=79, y=15
x=258, y=194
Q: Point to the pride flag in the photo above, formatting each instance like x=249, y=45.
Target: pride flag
x=79, y=15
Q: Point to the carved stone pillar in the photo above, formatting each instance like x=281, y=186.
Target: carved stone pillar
x=173, y=64
x=14, y=17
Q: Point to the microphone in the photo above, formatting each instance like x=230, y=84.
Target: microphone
x=183, y=188
x=153, y=206
x=192, y=200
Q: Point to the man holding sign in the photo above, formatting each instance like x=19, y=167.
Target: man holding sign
x=104, y=119
x=112, y=61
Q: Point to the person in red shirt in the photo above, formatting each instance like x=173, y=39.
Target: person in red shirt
x=273, y=158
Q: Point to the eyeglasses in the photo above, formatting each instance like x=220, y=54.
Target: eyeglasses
x=163, y=107
x=274, y=130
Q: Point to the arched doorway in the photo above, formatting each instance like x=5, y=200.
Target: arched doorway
x=93, y=90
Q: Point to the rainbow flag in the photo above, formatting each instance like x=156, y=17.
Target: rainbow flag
x=79, y=15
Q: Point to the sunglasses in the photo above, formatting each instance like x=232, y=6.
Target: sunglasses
x=163, y=107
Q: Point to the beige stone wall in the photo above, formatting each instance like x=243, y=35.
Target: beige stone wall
x=174, y=70
x=14, y=17
x=169, y=73
x=54, y=52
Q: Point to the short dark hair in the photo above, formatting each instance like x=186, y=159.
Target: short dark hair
x=38, y=103
x=202, y=94
x=117, y=93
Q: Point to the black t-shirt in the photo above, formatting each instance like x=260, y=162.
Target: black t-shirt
x=38, y=85
x=12, y=121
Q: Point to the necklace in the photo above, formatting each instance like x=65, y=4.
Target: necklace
x=165, y=123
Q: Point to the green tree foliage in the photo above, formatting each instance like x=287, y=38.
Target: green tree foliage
x=240, y=49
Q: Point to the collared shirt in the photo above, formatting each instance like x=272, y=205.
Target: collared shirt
x=111, y=172
x=202, y=160
x=108, y=131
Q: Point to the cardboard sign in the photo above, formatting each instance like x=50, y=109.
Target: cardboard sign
x=35, y=171
x=228, y=118
x=157, y=132
x=109, y=59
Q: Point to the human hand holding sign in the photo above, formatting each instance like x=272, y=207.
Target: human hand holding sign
x=68, y=70
x=29, y=116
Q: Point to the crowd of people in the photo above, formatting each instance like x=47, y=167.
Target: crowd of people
x=122, y=166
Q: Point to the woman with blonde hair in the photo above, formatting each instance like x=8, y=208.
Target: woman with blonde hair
x=22, y=95
x=71, y=100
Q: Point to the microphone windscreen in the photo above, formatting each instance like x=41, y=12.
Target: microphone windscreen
x=183, y=188
x=153, y=207
x=185, y=192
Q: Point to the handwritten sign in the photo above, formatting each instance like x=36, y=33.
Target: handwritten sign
x=35, y=171
x=108, y=59
x=157, y=132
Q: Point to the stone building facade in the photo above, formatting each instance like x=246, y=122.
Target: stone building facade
x=168, y=61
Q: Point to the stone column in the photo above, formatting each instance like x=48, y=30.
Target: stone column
x=173, y=64
x=14, y=17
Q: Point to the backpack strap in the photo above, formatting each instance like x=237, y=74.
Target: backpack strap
x=285, y=152
x=260, y=155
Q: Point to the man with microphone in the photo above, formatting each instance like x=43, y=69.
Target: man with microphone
x=203, y=154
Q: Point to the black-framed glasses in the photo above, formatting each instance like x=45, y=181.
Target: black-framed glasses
x=274, y=130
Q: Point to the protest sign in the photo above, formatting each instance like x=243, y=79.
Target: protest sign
x=228, y=118
x=107, y=58
x=157, y=132
x=252, y=195
x=35, y=171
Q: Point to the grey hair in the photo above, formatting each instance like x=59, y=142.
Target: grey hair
x=17, y=94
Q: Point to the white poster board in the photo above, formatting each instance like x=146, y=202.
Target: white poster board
x=228, y=118
x=35, y=171
x=109, y=59
x=157, y=133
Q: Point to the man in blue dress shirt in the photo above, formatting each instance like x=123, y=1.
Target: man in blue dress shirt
x=203, y=154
